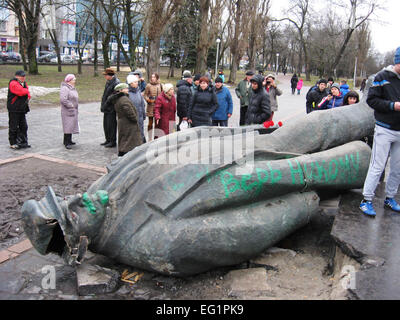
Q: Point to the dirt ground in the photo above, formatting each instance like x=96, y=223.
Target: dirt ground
x=28, y=179
x=300, y=271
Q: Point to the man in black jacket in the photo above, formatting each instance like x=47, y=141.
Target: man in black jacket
x=110, y=116
x=315, y=96
x=183, y=96
x=384, y=98
x=259, y=109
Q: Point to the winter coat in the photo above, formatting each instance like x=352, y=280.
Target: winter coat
x=108, y=91
x=314, y=97
x=18, y=96
x=273, y=93
x=243, y=92
x=344, y=89
x=69, y=108
x=336, y=101
x=150, y=95
x=259, y=109
x=165, y=110
x=294, y=81
x=382, y=95
x=129, y=135
x=225, y=104
x=202, y=105
x=183, y=96
x=138, y=101
x=300, y=84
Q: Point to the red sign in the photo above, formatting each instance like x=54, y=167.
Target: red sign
x=68, y=22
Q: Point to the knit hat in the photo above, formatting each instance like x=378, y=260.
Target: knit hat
x=20, y=73
x=69, y=77
x=186, y=74
x=218, y=79
x=397, y=56
x=336, y=85
x=249, y=73
x=132, y=78
x=270, y=76
x=120, y=86
x=197, y=77
x=137, y=72
x=167, y=87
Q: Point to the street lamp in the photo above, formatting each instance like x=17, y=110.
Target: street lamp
x=277, y=63
x=216, y=59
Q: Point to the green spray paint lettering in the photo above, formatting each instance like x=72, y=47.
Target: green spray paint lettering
x=102, y=195
x=309, y=173
x=227, y=182
x=333, y=174
x=88, y=203
x=356, y=165
x=322, y=171
x=276, y=175
x=344, y=165
x=294, y=172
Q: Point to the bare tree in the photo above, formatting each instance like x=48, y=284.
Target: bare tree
x=159, y=15
x=28, y=13
x=210, y=18
x=354, y=21
x=298, y=15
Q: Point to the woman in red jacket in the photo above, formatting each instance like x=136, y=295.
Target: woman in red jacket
x=165, y=110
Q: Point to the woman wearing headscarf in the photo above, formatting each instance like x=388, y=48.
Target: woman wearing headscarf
x=129, y=135
x=165, y=109
x=69, y=109
x=203, y=104
x=137, y=99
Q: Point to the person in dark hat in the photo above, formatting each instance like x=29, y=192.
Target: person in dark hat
x=110, y=117
x=243, y=92
x=196, y=82
x=315, y=95
x=18, y=106
x=259, y=109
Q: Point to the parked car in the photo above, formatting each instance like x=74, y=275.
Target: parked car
x=43, y=53
x=65, y=58
x=100, y=58
x=121, y=58
x=14, y=56
x=3, y=56
x=46, y=57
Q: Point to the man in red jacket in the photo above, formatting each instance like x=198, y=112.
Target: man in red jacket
x=17, y=105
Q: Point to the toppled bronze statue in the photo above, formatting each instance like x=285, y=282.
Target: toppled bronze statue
x=185, y=218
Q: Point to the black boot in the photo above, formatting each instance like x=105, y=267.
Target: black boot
x=68, y=140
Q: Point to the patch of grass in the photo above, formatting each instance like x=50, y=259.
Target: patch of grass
x=90, y=88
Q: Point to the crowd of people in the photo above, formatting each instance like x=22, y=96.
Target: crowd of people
x=201, y=102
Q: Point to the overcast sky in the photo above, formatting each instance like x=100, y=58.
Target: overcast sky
x=385, y=36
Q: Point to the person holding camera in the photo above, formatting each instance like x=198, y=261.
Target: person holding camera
x=334, y=98
x=273, y=91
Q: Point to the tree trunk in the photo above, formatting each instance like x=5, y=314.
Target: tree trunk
x=203, y=44
x=106, y=52
x=95, y=39
x=153, y=62
x=22, y=51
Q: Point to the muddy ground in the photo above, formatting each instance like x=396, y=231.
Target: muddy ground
x=28, y=179
x=301, y=272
